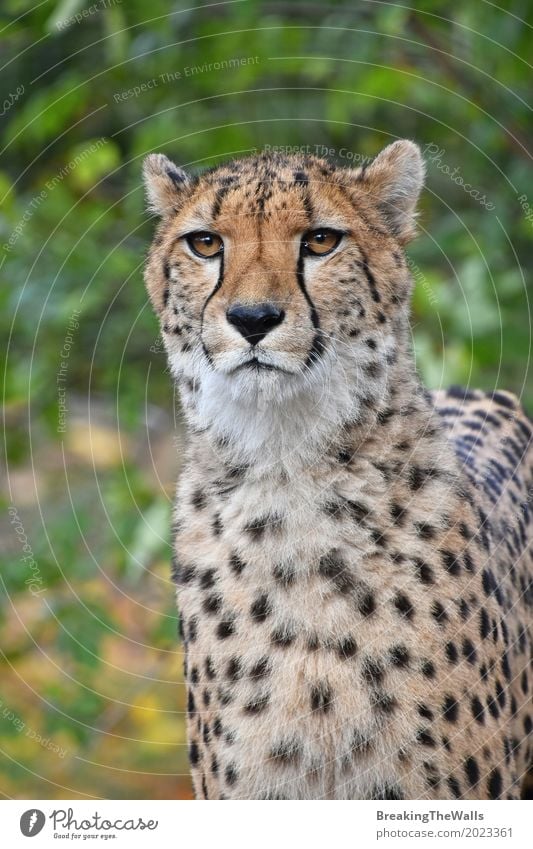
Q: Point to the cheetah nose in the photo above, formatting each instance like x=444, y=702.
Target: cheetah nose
x=255, y=321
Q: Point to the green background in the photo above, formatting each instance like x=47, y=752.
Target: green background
x=91, y=663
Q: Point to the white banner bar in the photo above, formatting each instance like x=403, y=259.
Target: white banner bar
x=264, y=825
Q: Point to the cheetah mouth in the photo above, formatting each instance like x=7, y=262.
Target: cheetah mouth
x=258, y=365
x=254, y=365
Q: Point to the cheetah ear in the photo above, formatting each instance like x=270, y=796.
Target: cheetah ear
x=394, y=180
x=164, y=182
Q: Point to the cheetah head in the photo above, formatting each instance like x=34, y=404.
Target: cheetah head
x=280, y=282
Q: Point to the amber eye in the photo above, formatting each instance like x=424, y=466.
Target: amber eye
x=205, y=244
x=320, y=242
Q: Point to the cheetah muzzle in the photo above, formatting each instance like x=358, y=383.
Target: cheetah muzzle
x=351, y=552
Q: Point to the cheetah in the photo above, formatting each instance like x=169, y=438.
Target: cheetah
x=350, y=550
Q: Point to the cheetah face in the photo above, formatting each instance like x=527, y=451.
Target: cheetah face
x=277, y=276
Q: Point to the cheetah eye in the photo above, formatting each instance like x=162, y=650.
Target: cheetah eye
x=320, y=242
x=204, y=244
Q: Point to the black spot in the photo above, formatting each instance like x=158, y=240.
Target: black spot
x=234, y=669
x=217, y=525
x=493, y=708
x=500, y=694
x=301, y=178
x=283, y=637
x=372, y=671
x=389, y=792
x=451, y=562
x=256, y=528
x=439, y=613
x=195, y=676
x=359, y=744
x=191, y=705
x=432, y=777
x=465, y=531
x=212, y=603
x=416, y=478
x=484, y=624
x=260, y=669
x=375, y=370
x=217, y=727
x=398, y=514
x=504, y=400
x=424, y=530
x=454, y=786
x=472, y=771
x=182, y=573
x=257, y=704
x=231, y=775
x=478, y=711
x=488, y=581
x=344, y=456
x=469, y=651
x=506, y=669
x=192, y=630
x=399, y=656
x=403, y=606
x=379, y=537
x=464, y=610
x=383, y=702
x=225, y=697
x=366, y=604
x=286, y=752
x=209, y=669
x=469, y=563
x=236, y=564
x=207, y=579
x=334, y=569
x=425, y=738
x=494, y=784
x=260, y=609
x=424, y=711
x=450, y=709
x=451, y=652
x=198, y=499
x=313, y=643
x=225, y=629
x=428, y=668
x=424, y=572
x=347, y=648
x=321, y=698
x=357, y=511
x=194, y=753
x=284, y=575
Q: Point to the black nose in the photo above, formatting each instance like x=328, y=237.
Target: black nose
x=254, y=322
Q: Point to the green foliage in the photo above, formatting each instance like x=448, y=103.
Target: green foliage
x=101, y=87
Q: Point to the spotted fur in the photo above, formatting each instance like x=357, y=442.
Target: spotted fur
x=351, y=552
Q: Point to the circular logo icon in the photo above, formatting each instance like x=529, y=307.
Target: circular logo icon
x=32, y=822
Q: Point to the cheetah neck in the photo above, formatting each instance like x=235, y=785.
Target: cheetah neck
x=330, y=418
